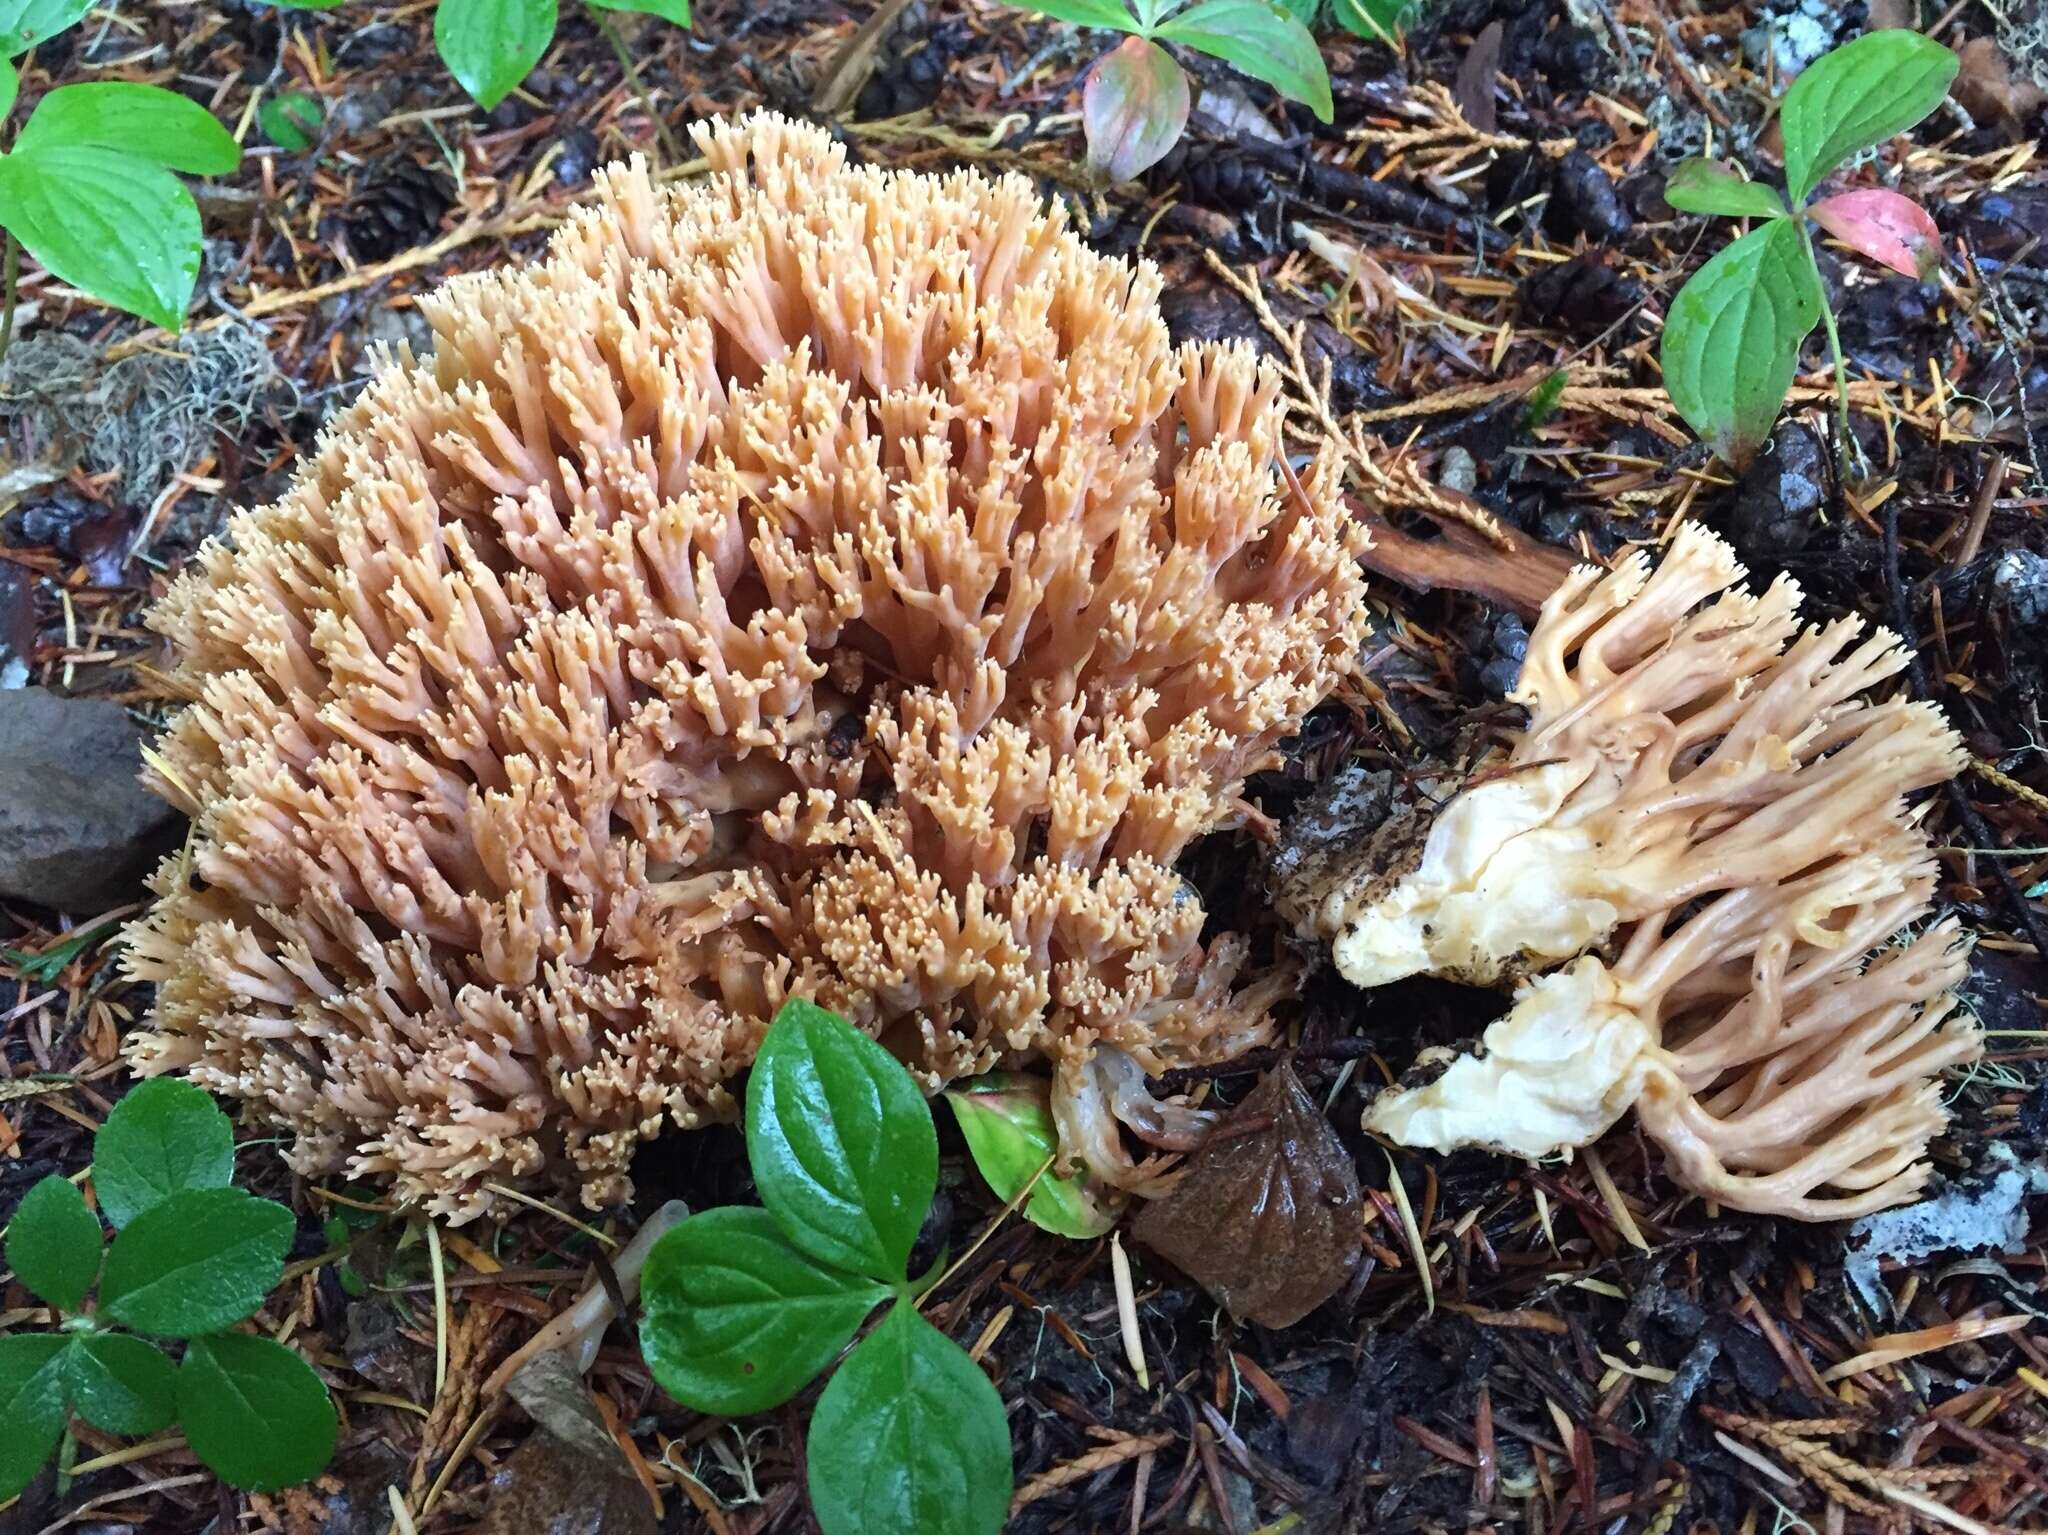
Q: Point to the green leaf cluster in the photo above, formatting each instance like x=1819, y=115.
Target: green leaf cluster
x=1264, y=39
x=192, y=1255
x=745, y=1307
x=1732, y=339
x=88, y=187
x=491, y=45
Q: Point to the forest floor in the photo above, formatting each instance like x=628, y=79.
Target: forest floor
x=1574, y=1346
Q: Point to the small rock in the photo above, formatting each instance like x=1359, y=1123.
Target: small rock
x=2019, y=588
x=1778, y=495
x=77, y=830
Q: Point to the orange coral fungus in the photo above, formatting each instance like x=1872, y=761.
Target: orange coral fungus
x=809, y=580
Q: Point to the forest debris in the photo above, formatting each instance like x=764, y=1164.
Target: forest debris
x=1266, y=1216
x=569, y=1477
x=1987, y=1215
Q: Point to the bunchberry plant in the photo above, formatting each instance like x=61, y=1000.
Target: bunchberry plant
x=87, y=185
x=1134, y=102
x=1731, y=342
x=491, y=45
x=745, y=1307
x=192, y=1256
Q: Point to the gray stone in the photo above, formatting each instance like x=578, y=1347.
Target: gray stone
x=77, y=831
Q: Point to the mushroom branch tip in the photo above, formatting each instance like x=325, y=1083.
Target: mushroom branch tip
x=806, y=580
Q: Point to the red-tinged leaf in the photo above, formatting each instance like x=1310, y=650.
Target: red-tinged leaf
x=1884, y=226
x=1133, y=108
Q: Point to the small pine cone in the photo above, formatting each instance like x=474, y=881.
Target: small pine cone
x=397, y=207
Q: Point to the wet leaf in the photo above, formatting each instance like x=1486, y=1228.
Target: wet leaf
x=254, y=1411
x=121, y=1383
x=1260, y=41
x=1859, y=94
x=291, y=120
x=1892, y=230
x=1712, y=186
x=491, y=45
x=1133, y=108
x=1731, y=342
x=1006, y=1118
x=1267, y=1217
x=31, y=1406
x=24, y=23
x=737, y=1320
x=841, y=1142
x=53, y=1243
x=107, y=223
x=163, y=1137
x=196, y=1263
x=909, y=1434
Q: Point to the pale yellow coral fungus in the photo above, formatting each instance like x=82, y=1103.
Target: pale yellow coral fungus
x=1711, y=797
x=807, y=580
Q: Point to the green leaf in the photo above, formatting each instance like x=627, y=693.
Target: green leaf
x=120, y=1383
x=164, y=1137
x=108, y=224
x=254, y=1411
x=1088, y=13
x=1379, y=20
x=491, y=45
x=1007, y=1120
x=1303, y=11
x=909, y=1435
x=1260, y=42
x=737, y=1320
x=677, y=11
x=1711, y=186
x=53, y=1243
x=10, y=86
x=46, y=964
x=1857, y=95
x=841, y=1143
x=24, y=23
x=1731, y=341
x=196, y=1263
x=291, y=120
x=31, y=1406
x=146, y=121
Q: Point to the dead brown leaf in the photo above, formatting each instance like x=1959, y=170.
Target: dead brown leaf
x=1986, y=89
x=1267, y=1217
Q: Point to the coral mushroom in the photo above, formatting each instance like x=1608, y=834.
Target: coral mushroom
x=1714, y=792
x=809, y=580
x=1761, y=1044
x=1681, y=741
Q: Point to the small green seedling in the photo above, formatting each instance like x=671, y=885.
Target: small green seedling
x=291, y=120
x=1732, y=340
x=192, y=1255
x=491, y=45
x=87, y=187
x=745, y=1307
x=1134, y=102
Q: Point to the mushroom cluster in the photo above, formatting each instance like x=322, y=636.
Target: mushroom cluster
x=1710, y=798
x=806, y=580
